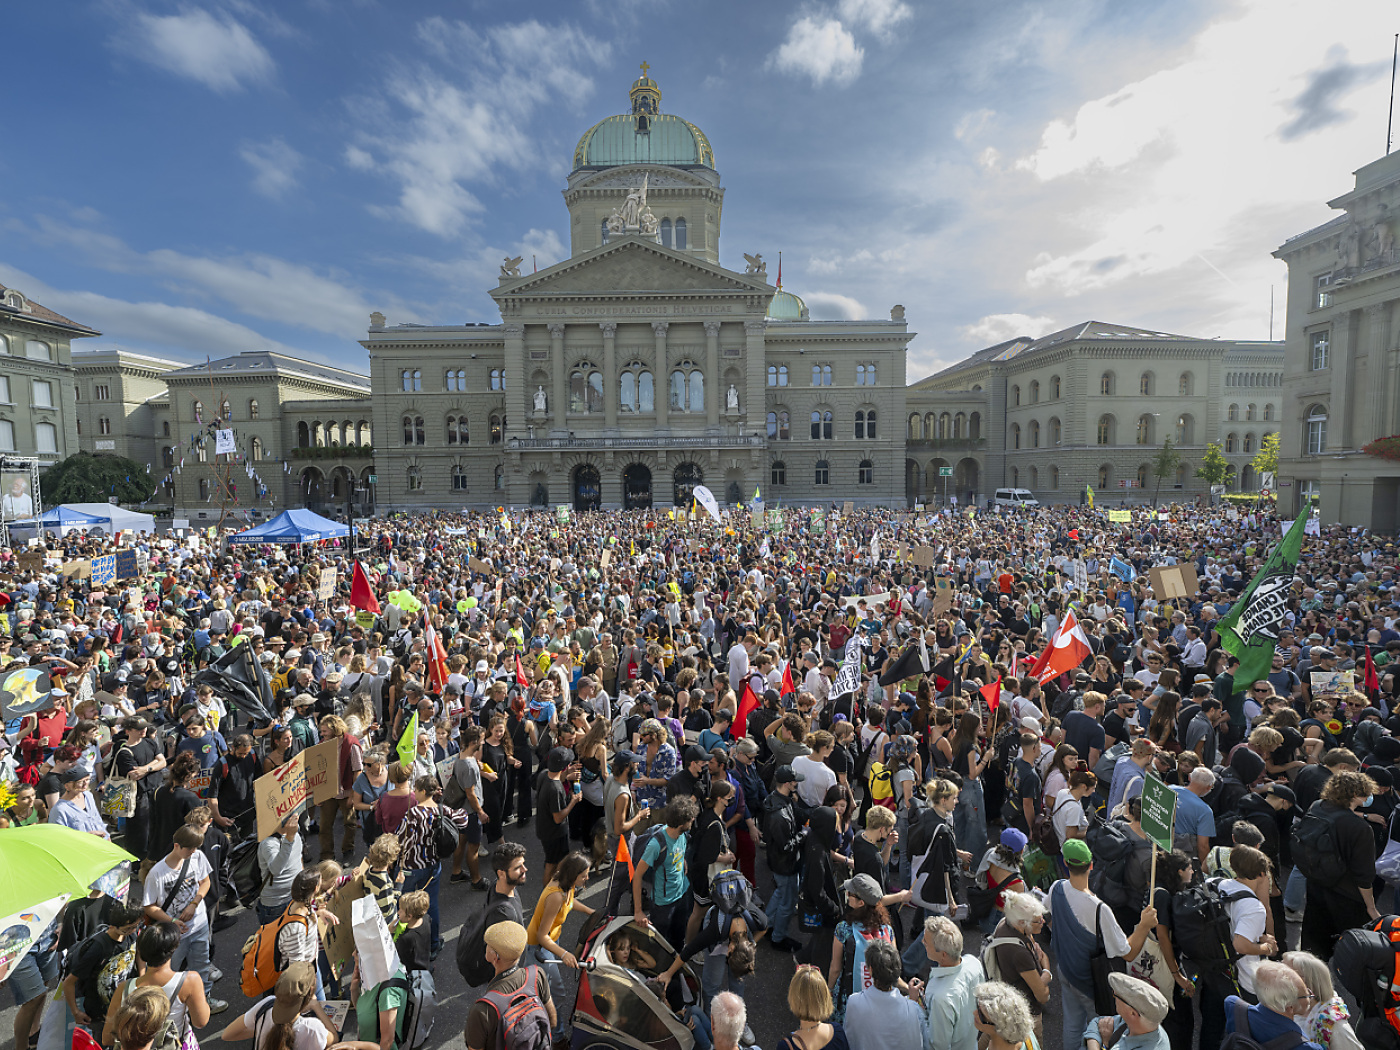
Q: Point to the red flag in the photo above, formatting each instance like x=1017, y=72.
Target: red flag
x=1068, y=650
x=520, y=672
x=1372, y=680
x=361, y=593
x=940, y=683
x=748, y=704
x=437, y=657
x=788, y=687
x=992, y=694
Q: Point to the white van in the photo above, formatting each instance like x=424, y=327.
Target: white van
x=1015, y=498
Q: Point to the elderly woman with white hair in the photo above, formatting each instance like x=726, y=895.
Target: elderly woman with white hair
x=1327, y=1020
x=1284, y=1000
x=1003, y=1018
x=1020, y=960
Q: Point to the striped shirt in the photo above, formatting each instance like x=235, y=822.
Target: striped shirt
x=416, y=834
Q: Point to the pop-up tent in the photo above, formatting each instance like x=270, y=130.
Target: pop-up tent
x=293, y=526
x=76, y=517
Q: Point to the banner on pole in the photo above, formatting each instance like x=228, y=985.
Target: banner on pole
x=326, y=590
x=224, y=445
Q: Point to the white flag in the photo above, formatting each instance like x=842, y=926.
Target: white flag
x=848, y=678
x=875, y=548
x=707, y=500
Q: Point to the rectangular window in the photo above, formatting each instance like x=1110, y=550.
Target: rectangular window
x=1321, y=350
x=45, y=438
x=4, y=390
x=1322, y=294
x=43, y=394
x=102, y=393
x=7, y=436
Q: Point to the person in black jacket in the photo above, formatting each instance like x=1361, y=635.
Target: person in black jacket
x=822, y=904
x=713, y=845
x=783, y=839
x=1348, y=902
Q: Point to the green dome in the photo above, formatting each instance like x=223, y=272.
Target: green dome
x=644, y=136
x=787, y=307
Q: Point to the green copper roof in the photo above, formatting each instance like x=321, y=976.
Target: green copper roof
x=786, y=307
x=630, y=138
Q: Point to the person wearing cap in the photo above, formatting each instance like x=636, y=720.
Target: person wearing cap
x=691, y=779
x=554, y=801
x=505, y=944
x=782, y=836
x=280, y=1019
x=1079, y=923
x=1137, y=1025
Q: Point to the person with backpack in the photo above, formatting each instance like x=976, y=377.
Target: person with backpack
x=174, y=892
x=429, y=835
x=1273, y=1023
x=516, y=1011
x=155, y=947
x=664, y=855
x=98, y=965
x=1334, y=848
x=1012, y=953
x=144, y=1021
x=502, y=905
x=783, y=834
x=280, y=1021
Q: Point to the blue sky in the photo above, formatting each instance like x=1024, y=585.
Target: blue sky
x=206, y=177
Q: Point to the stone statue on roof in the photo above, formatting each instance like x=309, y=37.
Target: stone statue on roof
x=634, y=205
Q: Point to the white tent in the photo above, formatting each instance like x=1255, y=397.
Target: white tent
x=92, y=517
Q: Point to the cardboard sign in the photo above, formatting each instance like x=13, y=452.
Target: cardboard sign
x=30, y=561
x=1174, y=581
x=871, y=600
x=477, y=565
x=847, y=508
x=312, y=777
x=76, y=570
x=1331, y=683
x=127, y=566
x=326, y=590
x=944, y=588
x=924, y=556
x=606, y=559
x=1120, y=515
x=340, y=940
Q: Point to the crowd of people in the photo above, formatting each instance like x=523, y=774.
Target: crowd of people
x=840, y=741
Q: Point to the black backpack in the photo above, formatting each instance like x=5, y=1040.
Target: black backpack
x=1201, y=928
x=1314, y=841
x=1240, y=1039
x=1112, y=846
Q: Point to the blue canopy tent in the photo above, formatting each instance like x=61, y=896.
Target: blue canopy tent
x=293, y=526
x=71, y=517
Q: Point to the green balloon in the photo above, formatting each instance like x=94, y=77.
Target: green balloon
x=462, y=607
x=470, y=603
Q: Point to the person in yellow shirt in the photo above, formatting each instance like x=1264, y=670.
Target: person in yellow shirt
x=556, y=901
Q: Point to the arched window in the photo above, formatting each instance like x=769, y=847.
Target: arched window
x=1015, y=477
x=1015, y=395
x=637, y=389
x=457, y=430
x=1249, y=413
x=256, y=449
x=253, y=408
x=1184, y=430
x=459, y=479
x=1106, y=384
x=959, y=425
x=413, y=430
x=497, y=425
x=821, y=425
x=779, y=425
x=1105, y=430
x=1231, y=443
x=104, y=425
x=821, y=375
x=778, y=473
x=680, y=234
x=1142, y=475
x=1035, y=391
x=665, y=233
x=415, y=479
x=1054, y=388
x=198, y=409
x=36, y=350
x=412, y=379
x=870, y=424
x=1015, y=435
x=1035, y=433
x=165, y=428
x=1035, y=477
x=1232, y=413
x=1180, y=482
x=777, y=375
x=1184, y=385
x=1055, y=431
x=823, y=472
x=585, y=388
x=1054, y=477
x=865, y=473
x=167, y=457
x=697, y=391
x=303, y=435
x=1145, y=384
x=860, y=425
x=498, y=379
x=1105, y=473
x=455, y=380
x=1144, y=430
x=916, y=427
x=1249, y=444
x=930, y=426
x=498, y=478
x=1268, y=413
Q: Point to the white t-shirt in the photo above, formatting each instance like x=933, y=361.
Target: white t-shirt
x=819, y=780
x=162, y=876
x=1068, y=813
x=1248, y=920
x=308, y=1033
x=1083, y=905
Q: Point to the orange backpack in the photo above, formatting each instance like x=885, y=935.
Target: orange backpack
x=263, y=962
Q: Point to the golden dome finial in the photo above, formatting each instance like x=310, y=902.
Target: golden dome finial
x=645, y=67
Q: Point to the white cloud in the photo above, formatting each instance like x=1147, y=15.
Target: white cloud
x=439, y=134
x=998, y=328
x=211, y=48
x=275, y=165
x=878, y=16
x=822, y=49
x=832, y=306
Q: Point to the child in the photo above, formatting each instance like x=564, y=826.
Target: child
x=413, y=936
x=379, y=883
x=1218, y=859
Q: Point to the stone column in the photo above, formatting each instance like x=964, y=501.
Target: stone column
x=714, y=393
x=1340, y=425
x=517, y=397
x=752, y=404
x=558, y=398
x=1373, y=425
x=609, y=330
x=663, y=376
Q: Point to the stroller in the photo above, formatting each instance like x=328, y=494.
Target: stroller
x=614, y=1008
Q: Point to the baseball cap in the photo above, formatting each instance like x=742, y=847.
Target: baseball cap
x=1077, y=851
x=786, y=775
x=559, y=759
x=696, y=753
x=482, y=665
x=1014, y=839
x=72, y=776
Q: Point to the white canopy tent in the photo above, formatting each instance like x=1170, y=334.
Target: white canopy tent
x=90, y=517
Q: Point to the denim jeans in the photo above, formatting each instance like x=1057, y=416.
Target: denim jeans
x=553, y=968
x=970, y=819
x=714, y=978
x=193, y=954
x=782, y=906
x=1078, y=1009
x=1295, y=891
x=427, y=879
x=268, y=912
x=700, y=1028
x=914, y=957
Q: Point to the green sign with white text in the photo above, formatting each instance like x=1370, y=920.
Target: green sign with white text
x=1158, y=812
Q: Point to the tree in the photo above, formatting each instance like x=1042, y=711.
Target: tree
x=1215, y=469
x=85, y=478
x=1265, y=461
x=1165, y=465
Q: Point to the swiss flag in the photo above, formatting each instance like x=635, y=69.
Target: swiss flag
x=361, y=593
x=1066, y=652
x=992, y=694
x=788, y=687
x=748, y=704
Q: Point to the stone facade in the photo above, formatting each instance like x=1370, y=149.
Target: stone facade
x=38, y=399
x=1341, y=387
x=1090, y=406
x=120, y=397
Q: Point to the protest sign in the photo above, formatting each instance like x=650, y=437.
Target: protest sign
x=126, y=566
x=1174, y=581
x=477, y=565
x=870, y=599
x=847, y=508
x=30, y=561
x=605, y=559
x=924, y=556
x=1331, y=683
x=311, y=777
x=944, y=588
x=339, y=939
x=24, y=691
x=76, y=570
x=1158, y=812
x=364, y=619
x=1120, y=515
x=326, y=589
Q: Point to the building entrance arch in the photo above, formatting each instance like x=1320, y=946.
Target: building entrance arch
x=683, y=483
x=636, y=487
x=588, y=488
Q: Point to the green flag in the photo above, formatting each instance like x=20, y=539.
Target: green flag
x=1250, y=629
x=408, y=743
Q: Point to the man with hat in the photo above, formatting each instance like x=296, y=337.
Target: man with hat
x=303, y=724
x=782, y=837
x=691, y=779
x=505, y=943
x=1138, y=1023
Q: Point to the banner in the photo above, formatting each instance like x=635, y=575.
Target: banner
x=310, y=778
x=707, y=500
x=104, y=570
x=24, y=691
x=1120, y=515
x=22, y=929
x=1250, y=630
x=224, y=445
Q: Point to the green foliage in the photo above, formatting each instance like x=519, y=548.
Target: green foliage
x=1164, y=465
x=1265, y=461
x=1214, y=468
x=86, y=478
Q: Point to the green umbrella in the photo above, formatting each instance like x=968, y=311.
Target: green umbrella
x=41, y=861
